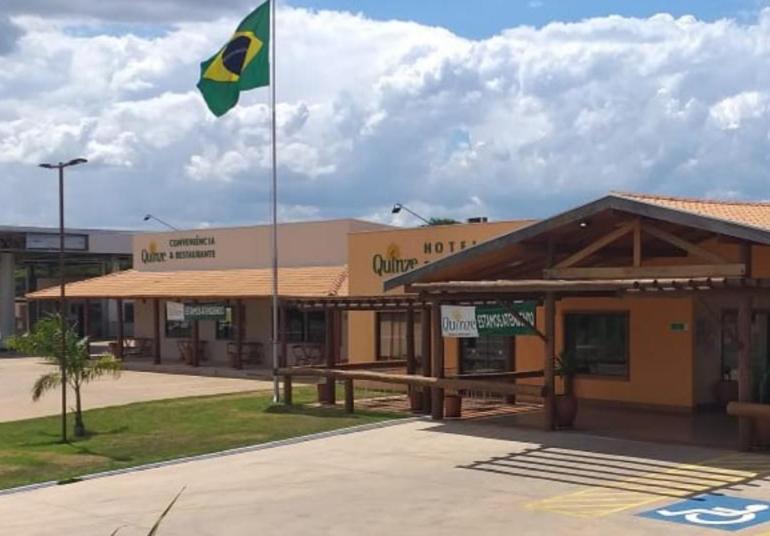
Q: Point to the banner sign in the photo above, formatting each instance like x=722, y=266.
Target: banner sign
x=175, y=311
x=461, y=321
x=205, y=311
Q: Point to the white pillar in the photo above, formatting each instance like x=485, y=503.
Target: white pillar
x=7, y=296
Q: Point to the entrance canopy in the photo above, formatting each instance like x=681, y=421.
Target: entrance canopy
x=307, y=281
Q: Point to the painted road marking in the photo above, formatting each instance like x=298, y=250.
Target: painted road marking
x=714, y=511
x=654, y=480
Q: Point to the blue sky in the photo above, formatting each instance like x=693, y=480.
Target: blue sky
x=485, y=18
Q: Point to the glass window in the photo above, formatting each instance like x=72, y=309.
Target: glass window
x=391, y=335
x=178, y=329
x=128, y=312
x=599, y=342
x=302, y=327
x=488, y=353
x=226, y=328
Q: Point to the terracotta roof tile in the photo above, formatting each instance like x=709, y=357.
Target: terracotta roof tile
x=312, y=281
x=750, y=213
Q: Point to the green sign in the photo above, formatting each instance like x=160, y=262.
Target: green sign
x=205, y=311
x=502, y=321
x=678, y=326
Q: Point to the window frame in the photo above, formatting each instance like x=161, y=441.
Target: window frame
x=166, y=331
x=626, y=314
x=417, y=334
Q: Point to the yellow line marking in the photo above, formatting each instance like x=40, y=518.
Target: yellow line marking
x=598, y=502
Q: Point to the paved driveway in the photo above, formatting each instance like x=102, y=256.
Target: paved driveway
x=18, y=374
x=418, y=477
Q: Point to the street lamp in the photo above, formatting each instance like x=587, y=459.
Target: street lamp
x=149, y=217
x=398, y=207
x=62, y=298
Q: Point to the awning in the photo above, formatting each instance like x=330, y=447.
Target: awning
x=311, y=281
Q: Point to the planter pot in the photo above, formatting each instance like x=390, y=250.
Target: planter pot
x=453, y=406
x=322, y=394
x=415, y=400
x=726, y=391
x=566, y=410
x=761, y=433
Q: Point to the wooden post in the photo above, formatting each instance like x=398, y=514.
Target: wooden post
x=411, y=364
x=349, y=396
x=548, y=358
x=119, y=349
x=511, y=366
x=331, y=395
x=745, y=424
x=196, y=358
x=287, y=393
x=156, y=331
x=87, y=324
x=427, y=369
x=240, y=322
x=437, y=402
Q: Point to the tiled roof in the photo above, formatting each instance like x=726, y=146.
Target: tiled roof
x=312, y=281
x=751, y=213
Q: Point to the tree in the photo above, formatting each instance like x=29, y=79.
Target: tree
x=442, y=221
x=45, y=341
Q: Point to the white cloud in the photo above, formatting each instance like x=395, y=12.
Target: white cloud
x=370, y=113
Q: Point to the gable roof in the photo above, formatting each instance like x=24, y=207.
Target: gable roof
x=310, y=281
x=743, y=220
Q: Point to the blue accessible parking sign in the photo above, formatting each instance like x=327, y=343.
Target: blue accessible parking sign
x=714, y=511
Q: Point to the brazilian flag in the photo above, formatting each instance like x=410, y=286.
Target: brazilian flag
x=243, y=63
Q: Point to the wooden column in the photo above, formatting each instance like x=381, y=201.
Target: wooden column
x=284, y=357
x=548, y=360
x=331, y=397
x=437, y=402
x=511, y=366
x=87, y=324
x=411, y=364
x=349, y=396
x=745, y=424
x=196, y=337
x=156, y=331
x=240, y=332
x=287, y=391
x=119, y=349
x=427, y=369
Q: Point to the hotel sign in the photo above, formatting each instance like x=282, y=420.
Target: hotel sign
x=194, y=247
x=392, y=263
x=461, y=321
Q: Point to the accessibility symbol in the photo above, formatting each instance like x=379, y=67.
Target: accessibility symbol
x=715, y=511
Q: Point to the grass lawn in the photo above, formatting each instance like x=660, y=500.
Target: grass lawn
x=135, y=434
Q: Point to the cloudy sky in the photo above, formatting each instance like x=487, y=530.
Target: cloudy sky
x=502, y=108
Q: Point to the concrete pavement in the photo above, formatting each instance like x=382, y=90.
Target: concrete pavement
x=417, y=477
x=17, y=376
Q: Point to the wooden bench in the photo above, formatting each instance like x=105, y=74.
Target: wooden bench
x=186, y=351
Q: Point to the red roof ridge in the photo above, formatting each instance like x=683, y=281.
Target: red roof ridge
x=661, y=197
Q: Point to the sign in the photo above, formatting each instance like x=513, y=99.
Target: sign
x=678, y=326
x=175, y=311
x=205, y=311
x=458, y=321
x=461, y=321
x=714, y=511
x=193, y=247
x=501, y=321
x=392, y=263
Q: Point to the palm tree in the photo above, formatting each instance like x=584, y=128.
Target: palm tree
x=44, y=340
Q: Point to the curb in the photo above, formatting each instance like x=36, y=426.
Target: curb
x=212, y=455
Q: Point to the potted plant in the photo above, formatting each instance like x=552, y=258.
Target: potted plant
x=566, y=403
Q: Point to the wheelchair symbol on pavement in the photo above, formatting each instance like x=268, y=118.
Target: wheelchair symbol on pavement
x=716, y=511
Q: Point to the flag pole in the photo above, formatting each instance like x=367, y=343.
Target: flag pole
x=274, y=201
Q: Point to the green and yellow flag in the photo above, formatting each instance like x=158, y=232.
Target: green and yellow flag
x=243, y=63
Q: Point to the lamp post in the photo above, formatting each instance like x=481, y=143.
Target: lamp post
x=62, y=298
x=398, y=207
x=149, y=217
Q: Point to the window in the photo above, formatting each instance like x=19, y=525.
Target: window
x=487, y=353
x=305, y=326
x=128, y=312
x=391, y=335
x=178, y=329
x=599, y=342
x=226, y=328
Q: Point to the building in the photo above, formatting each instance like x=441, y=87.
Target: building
x=29, y=261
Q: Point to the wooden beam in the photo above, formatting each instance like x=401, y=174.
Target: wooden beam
x=370, y=365
x=349, y=396
x=156, y=331
x=331, y=395
x=287, y=391
x=284, y=357
x=239, y=333
x=548, y=361
x=648, y=272
x=595, y=246
x=637, y=242
x=121, y=338
x=746, y=258
x=455, y=384
x=502, y=375
x=410, y=356
x=437, y=393
x=745, y=424
x=683, y=244
x=86, y=325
